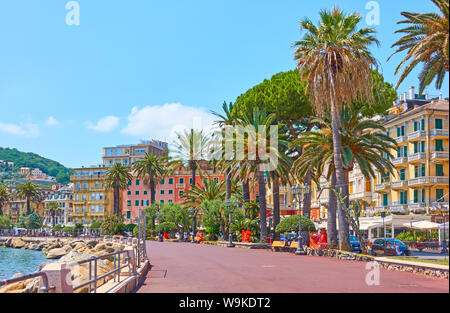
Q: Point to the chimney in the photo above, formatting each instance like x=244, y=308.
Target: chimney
x=411, y=93
x=440, y=96
x=404, y=96
x=426, y=96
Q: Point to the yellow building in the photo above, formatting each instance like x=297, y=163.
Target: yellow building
x=91, y=200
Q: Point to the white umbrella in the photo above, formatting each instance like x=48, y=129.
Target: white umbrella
x=422, y=225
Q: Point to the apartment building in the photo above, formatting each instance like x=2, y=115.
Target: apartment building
x=64, y=197
x=128, y=154
x=92, y=201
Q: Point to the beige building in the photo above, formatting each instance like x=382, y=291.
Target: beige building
x=128, y=154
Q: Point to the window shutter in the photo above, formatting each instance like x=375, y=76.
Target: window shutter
x=415, y=147
x=416, y=195
x=423, y=170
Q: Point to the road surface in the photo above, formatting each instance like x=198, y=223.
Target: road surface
x=198, y=268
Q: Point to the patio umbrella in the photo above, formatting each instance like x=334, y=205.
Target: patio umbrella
x=422, y=225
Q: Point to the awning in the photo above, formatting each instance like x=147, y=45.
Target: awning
x=422, y=225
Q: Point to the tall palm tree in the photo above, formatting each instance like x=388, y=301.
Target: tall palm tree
x=363, y=142
x=211, y=190
x=151, y=168
x=334, y=58
x=426, y=41
x=5, y=197
x=51, y=208
x=28, y=191
x=117, y=178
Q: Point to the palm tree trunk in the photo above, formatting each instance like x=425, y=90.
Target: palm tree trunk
x=344, y=239
x=307, y=196
x=246, y=191
x=28, y=206
x=276, y=206
x=228, y=185
x=262, y=206
x=116, y=200
x=193, y=170
x=152, y=189
x=331, y=221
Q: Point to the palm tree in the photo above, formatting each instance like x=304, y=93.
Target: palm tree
x=335, y=60
x=117, y=178
x=151, y=168
x=5, y=197
x=28, y=191
x=426, y=41
x=363, y=142
x=211, y=190
x=51, y=208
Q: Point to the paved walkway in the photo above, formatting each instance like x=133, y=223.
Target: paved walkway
x=195, y=268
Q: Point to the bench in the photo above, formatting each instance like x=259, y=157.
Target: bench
x=278, y=245
x=293, y=245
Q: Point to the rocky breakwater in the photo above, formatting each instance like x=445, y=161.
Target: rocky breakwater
x=69, y=252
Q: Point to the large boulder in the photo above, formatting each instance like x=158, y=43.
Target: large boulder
x=56, y=253
x=25, y=286
x=92, y=243
x=17, y=243
x=80, y=274
x=101, y=246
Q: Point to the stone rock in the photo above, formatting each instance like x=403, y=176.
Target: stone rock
x=101, y=246
x=91, y=244
x=17, y=243
x=74, y=256
x=80, y=274
x=56, y=253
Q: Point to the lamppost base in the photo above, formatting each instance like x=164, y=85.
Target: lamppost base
x=230, y=245
x=300, y=252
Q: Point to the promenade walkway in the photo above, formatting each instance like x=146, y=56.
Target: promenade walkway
x=195, y=268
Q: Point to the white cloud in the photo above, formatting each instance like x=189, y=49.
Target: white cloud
x=26, y=129
x=105, y=124
x=51, y=121
x=162, y=121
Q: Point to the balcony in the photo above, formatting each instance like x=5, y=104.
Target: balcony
x=398, y=208
x=383, y=186
x=400, y=160
x=400, y=184
x=419, y=157
x=382, y=208
x=428, y=180
x=361, y=195
x=439, y=156
x=439, y=133
x=419, y=134
x=401, y=139
x=180, y=186
x=419, y=206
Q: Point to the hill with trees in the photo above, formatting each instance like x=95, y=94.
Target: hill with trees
x=33, y=160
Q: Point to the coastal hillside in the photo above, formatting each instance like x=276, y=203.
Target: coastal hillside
x=33, y=160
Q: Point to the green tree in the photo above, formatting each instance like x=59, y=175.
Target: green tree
x=426, y=41
x=117, y=178
x=51, y=209
x=34, y=221
x=28, y=191
x=5, y=197
x=112, y=224
x=210, y=190
x=151, y=168
x=290, y=224
x=335, y=60
x=5, y=222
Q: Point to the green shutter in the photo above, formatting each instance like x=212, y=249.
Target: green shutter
x=398, y=131
x=405, y=151
x=416, y=171
x=422, y=125
x=439, y=194
x=422, y=146
x=438, y=123
x=398, y=152
x=439, y=170
x=439, y=145
x=402, y=174
x=385, y=199
x=403, y=130
x=415, y=147
x=416, y=195
x=423, y=170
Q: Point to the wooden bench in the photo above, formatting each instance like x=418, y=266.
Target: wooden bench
x=293, y=246
x=278, y=245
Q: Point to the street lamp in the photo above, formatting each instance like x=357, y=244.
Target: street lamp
x=298, y=193
x=158, y=216
x=230, y=236
x=192, y=211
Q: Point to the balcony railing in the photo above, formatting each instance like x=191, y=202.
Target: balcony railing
x=181, y=186
x=420, y=156
x=417, y=134
x=399, y=184
x=382, y=186
x=440, y=155
x=398, y=207
x=428, y=180
x=360, y=195
x=401, y=139
x=400, y=160
x=439, y=132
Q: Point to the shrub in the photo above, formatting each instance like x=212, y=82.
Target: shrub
x=290, y=224
x=168, y=227
x=34, y=221
x=109, y=226
x=95, y=225
x=57, y=227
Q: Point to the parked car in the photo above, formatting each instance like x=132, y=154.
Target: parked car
x=385, y=247
x=356, y=245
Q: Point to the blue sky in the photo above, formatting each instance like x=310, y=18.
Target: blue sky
x=140, y=69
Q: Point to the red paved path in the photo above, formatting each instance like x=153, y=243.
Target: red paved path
x=195, y=268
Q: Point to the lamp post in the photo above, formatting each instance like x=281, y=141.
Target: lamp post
x=158, y=216
x=192, y=211
x=228, y=204
x=383, y=215
x=298, y=193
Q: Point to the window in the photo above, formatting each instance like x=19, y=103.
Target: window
x=440, y=195
x=129, y=183
x=142, y=202
x=136, y=202
x=161, y=201
x=137, y=193
x=162, y=192
x=190, y=181
x=422, y=124
x=439, y=145
x=85, y=185
x=170, y=192
x=170, y=181
x=402, y=174
x=438, y=123
x=138, y=182
x=78, y=185
x=93, y=196
x=162, y=181
x=419, y=195
x=403, y=197
x=128, y=202
x=180, y=193
x=129, y=192
x=439, y=170
x=181, y=180
x=128, y=214
x=385, y=199
x=145, y=192
x=170, y=201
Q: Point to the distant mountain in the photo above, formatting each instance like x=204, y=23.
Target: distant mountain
x=33, y=160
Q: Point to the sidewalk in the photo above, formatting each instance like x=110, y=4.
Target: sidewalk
x=412, y=263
